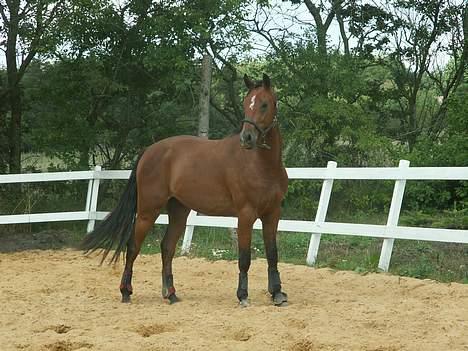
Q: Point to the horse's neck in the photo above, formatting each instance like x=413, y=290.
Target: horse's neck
x=274, y=141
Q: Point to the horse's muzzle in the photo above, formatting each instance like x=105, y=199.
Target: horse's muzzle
x=248, y=139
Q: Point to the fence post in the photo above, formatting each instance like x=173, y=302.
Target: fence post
x=88, y=195
x=321, y=213
x=188, y=235
x=393, y=216
x=203, y=127
x=92, y=198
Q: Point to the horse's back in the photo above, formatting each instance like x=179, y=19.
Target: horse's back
x=191, y=169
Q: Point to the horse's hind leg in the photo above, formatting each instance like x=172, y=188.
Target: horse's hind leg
x=178, y=214
x=143, y=223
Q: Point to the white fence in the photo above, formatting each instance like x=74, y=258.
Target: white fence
x=388, y=232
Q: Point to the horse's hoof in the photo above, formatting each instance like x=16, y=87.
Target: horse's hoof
x=173, y=299
x=126, y=299
x=280, y=299
x=244, y=303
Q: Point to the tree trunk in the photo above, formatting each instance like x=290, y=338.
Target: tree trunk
x=320, y=26
x=339, y=18
x=321, y=29
x=413, y=127
x=3, y=140
x=204, y=102
x=14, y=94
x=3, y=127
x=14, y=134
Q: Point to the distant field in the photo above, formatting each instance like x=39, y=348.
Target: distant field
x=39, y=161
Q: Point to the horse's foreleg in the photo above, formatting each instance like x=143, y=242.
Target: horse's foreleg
x=244, y=234
x=178, y=214
x=143, y=224
x=270, y=227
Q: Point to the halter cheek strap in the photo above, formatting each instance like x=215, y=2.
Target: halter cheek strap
x=263, y=132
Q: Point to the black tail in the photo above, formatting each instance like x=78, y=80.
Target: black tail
x=117, y=228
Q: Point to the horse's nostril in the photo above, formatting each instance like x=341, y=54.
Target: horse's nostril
x=247, y=140
x=246, y=137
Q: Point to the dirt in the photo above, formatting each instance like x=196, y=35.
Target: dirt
x=14, y=241
x=60, y=300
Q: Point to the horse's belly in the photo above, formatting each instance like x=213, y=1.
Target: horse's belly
x=209, y=205
x=207, y=196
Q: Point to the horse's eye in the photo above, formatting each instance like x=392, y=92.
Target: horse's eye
x=264, y=106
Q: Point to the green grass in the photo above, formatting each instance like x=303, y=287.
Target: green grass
x=425, y=260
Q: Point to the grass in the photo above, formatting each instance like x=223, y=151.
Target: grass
x=425, y=260
x=440, y=261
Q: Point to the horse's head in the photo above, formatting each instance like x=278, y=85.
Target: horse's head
x=259, y=112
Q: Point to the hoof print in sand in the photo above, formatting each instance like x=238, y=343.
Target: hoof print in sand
x=153, y=329
x=67, y=346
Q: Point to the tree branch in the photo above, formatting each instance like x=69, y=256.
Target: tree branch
x=228, y=116
x=3, y=14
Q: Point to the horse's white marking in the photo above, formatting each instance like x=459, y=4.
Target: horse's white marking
x=252, y=102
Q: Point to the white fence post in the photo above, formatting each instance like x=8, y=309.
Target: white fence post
x=393, y=216
x=92, y=198
x=88, y=196
x=187, y=243
x=321, y=213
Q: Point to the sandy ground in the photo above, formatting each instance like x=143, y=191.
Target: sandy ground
x=61, y=301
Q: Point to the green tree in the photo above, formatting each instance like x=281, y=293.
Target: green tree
x=28, y=28
x=130, y=75
x=450, y=150
x=422, y=31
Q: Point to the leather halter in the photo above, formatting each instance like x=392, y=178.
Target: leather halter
x=263, y=132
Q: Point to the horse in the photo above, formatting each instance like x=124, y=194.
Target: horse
x=241, y=175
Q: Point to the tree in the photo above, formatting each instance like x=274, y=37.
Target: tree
x=27, y=27
x=323, y=90
x=419, y=33
x=125, y=76
x=3, y=124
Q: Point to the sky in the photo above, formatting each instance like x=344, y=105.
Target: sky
x=298, y=19
x=283, y=14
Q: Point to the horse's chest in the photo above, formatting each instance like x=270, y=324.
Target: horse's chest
x=270, y=191
x=264, y=191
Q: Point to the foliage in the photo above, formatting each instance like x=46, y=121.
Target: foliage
x=450, y=219
x=451, y=150
x=110, y=93
x=110, y=78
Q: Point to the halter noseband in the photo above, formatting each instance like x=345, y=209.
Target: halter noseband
x=262, y=132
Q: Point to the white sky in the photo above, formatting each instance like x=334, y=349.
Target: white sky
x=281, y=17
x=282, y=14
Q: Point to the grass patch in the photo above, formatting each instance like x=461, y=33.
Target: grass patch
x=426, y=260
x=444, y=262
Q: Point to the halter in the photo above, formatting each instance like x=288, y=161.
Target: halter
x=263, y=132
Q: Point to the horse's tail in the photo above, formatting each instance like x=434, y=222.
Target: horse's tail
x=117, y=228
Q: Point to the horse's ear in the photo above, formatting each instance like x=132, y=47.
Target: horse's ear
x=249, y=83
x=266, y=81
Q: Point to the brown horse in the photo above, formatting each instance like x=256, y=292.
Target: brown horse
x=241, y=175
